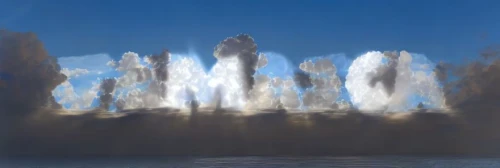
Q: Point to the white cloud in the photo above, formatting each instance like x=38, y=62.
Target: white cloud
x=74, y=72
x=111, y=63
x=273, y=82
x=129, y=61
x=410, y=80
x=93, y=63
x=322, y=65
x=326, y=84
x=67, y=95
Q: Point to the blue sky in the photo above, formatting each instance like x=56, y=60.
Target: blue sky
x=443, y=30
x=448, y=30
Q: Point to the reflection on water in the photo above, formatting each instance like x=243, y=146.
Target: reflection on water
x=248, y=162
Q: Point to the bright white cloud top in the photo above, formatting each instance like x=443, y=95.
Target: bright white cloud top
x=414, y=78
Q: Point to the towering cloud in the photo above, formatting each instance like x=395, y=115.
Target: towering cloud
x=34, y=73
x=159, y=63
x=368, y=75
x=107, y=88
x=243, y=47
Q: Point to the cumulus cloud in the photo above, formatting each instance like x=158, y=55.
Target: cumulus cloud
x=469, y=129
x=367, y=94
x=71, y=99
x=129, y=61
x=135, y=72
x=244, y=48
x=225, y=76
x=321, y=65
x=322, y=87
x=83, y=79
x=289, y=96
x=262, y=95
x=186, y=74
x=159, y=63
x=322, y=83
x=66, y=93
x=107, y=88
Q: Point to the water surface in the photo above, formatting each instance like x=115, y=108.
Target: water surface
x=252, y=162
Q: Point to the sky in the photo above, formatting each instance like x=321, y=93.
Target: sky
x=81, y=33
x=449, y=30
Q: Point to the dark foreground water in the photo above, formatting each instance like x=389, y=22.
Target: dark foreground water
x=252, y=162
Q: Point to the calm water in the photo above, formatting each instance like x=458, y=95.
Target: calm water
x=253, y=162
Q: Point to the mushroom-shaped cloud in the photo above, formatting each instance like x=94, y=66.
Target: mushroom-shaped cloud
x=243, y=47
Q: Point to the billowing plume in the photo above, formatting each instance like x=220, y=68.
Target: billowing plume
x=243, y=47
x=107, y=88
x=159, y=63
x=34, y=74
x=477, y=84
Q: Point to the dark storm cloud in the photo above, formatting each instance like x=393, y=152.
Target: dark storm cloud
x=478, y=84
x=441, y=71
x=34, y=74
x=242, y=46
x=475, y=84
x=107, y=88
